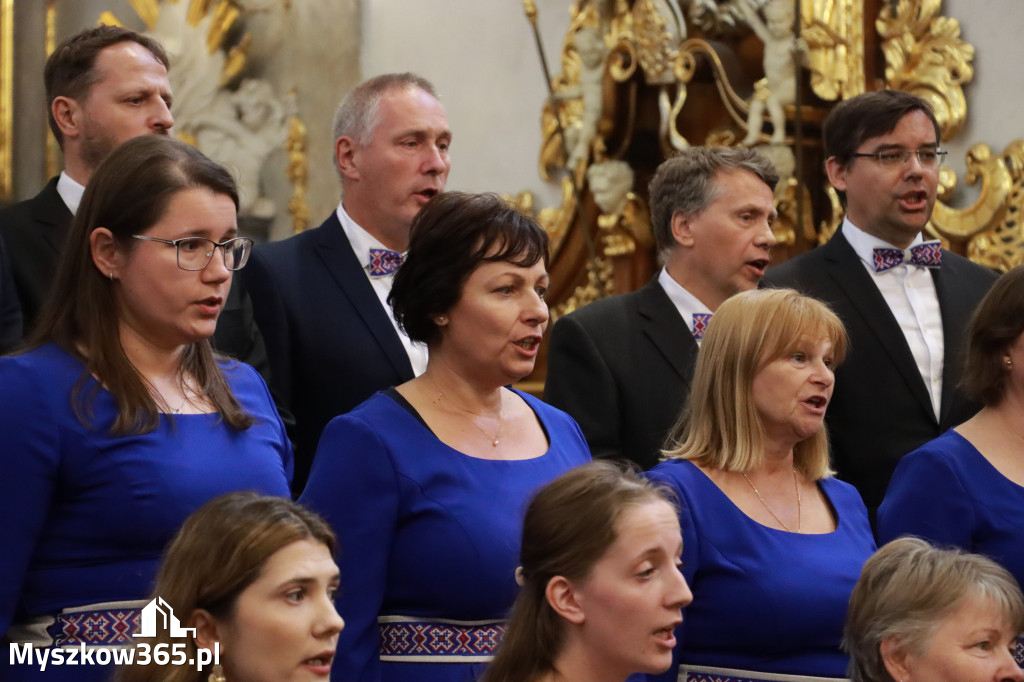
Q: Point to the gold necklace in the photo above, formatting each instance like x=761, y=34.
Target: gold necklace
x=796, y=485
x=501, y=415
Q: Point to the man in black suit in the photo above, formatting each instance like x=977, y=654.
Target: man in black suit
x=10, y=310
x=320, y=296
x=905, y=302
x=622, y=366
x=105, y=85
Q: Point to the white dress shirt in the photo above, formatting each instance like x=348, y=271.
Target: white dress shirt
x=686, y=303
x=70, y=192
x=910, y=292
x=362, y=241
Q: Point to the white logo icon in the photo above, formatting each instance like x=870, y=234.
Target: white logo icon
x=170, y=621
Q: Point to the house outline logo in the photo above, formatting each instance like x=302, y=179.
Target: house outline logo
x=166, y=615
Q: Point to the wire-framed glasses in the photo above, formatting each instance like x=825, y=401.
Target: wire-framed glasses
x=195, y=253
x=928, y=157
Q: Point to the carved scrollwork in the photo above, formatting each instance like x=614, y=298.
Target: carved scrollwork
x=834, y=33
x=924, y=55
x=658, y=32
x=992, y=225
x=599, y=285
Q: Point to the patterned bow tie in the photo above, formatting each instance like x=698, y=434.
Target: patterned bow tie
x=925, y=254
x=384, y=262
x=700, y=323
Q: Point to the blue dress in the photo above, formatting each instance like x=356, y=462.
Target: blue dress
x=948, y=493
x=764, y=599
x=87, y=515
x=424, y=531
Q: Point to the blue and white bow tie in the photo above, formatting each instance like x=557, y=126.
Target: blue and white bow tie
x=925, y=254
x=384, y=262
x=700, y=323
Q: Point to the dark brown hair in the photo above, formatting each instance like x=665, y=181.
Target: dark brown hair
x=128, y=194
x=568, y=527
x=450, y=236
x=995, y=325
x=70, y=72
x=869, y=115
x=686, y=184
x=219, y=551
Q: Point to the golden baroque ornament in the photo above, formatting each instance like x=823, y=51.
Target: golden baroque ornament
x=925, y=56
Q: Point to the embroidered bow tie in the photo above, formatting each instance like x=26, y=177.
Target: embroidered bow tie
x=384, y=262
x=925, y=254
x=700, y=323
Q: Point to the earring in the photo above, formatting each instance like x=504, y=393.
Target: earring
x=441, y=319
x=1008, y=362
x=111, y=275
x=216, y=674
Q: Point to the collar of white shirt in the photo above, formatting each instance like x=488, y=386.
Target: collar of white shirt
x=361, y=240
x=70, y=192
x=686, y=303
x=864, y=244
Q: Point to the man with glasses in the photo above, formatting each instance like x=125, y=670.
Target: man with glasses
x=104, y=85
x=905, y=301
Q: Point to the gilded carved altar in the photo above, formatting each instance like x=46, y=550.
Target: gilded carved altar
x=677, y=72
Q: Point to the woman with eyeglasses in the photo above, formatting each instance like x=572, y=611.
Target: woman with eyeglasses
x=118, y=420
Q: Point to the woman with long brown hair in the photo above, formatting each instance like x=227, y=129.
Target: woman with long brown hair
x=119, y=420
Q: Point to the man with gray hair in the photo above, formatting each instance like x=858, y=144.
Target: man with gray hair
x=320, y=297
x=622, y=366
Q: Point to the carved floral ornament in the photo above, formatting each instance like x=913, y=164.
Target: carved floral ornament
x=687, y=59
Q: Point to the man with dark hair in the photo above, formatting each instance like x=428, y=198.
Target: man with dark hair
x=622, y=366
x=104, y=85
x=320, y=297
x=905, y=302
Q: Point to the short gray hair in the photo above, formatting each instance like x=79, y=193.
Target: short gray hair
x=356, y=115
x=904, y=592
x=686, y=184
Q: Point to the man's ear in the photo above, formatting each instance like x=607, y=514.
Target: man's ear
x=345, y=156
x=207, y=631
x=836, y=172
x=67, y=115
x=682, y=231
x=106, y=254
x=565, y=599
x=894, y=657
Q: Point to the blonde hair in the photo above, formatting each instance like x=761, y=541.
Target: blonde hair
x=719, y=426
x=907, y=588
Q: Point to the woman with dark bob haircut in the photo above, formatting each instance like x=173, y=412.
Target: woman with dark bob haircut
x=966, y=487
x=921, y=614
x=425, y=484
x=602, y=587
x=119, y=421
x=254, y=575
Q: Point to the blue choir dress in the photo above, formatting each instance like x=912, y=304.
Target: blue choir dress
x=427, y=536
x=948, y=493
x=764, y=600
x=87, y=515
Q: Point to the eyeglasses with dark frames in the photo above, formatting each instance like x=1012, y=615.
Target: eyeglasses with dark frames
x=890, y=158
x=195, y=253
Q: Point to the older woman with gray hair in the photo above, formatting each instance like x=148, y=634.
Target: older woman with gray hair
x=938, y=615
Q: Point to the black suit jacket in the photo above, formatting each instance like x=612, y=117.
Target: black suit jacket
x=35, y=231
x=622, y=368
x=10, y=309
x=330, y=342
x=881, y=408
